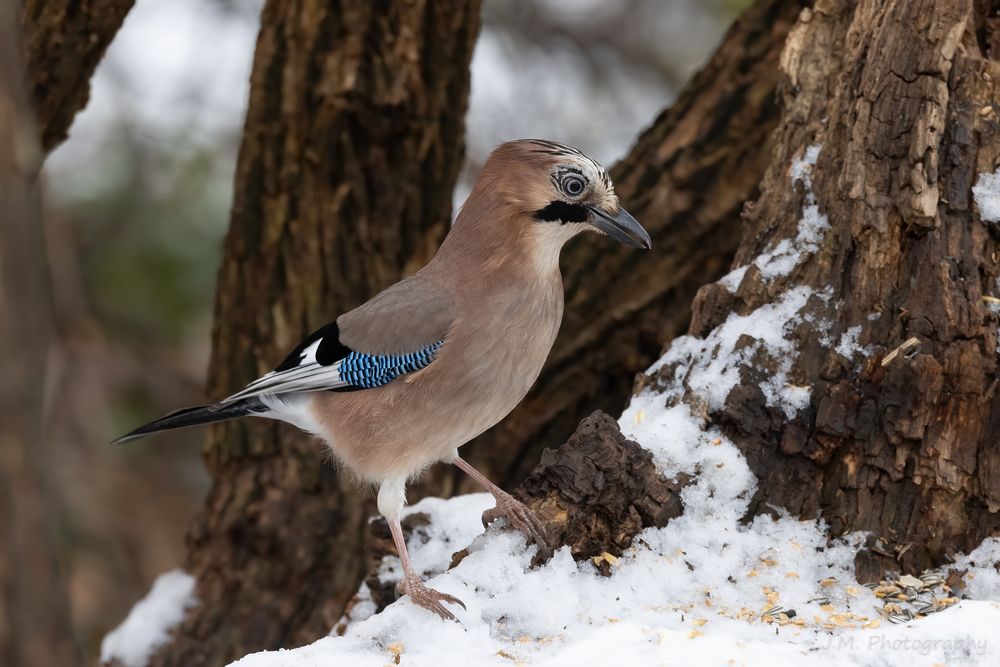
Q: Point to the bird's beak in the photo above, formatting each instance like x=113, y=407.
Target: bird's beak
x=621, y=226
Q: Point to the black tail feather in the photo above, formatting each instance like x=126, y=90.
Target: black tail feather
x=196, y=416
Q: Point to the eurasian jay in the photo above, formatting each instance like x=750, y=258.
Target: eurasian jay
x=404, y=380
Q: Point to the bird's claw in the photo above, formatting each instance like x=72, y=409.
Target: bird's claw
x=428, y=598
x=519, y=517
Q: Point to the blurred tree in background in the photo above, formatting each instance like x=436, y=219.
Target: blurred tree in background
x=138, y=199
x=138, y=202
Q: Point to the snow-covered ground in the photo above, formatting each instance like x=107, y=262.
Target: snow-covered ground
x=705, y=590
x=702, y=591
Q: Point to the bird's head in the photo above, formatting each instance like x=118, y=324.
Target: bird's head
x=561, y=191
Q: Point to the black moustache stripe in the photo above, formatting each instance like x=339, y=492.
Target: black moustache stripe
x=560, y=211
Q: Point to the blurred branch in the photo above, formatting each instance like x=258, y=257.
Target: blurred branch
x=63, y=41
x=536, y=25
x=36, y=627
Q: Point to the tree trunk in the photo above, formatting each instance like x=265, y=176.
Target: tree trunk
x=63, y=40
x=894, y=353
x=35, y=627
x=60, y=43
x=353, y=141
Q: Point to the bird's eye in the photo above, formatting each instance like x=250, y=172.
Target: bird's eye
x=573, y=185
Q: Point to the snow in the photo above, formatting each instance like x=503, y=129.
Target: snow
x=731, y=281
x=693, y=592
x=982, y=576
x=848, y=346
x=149, y=623
x=801, y=169
x=782, y=259
x=705, y=590
x=712, y=366
x=363, y=607
x=986, y=192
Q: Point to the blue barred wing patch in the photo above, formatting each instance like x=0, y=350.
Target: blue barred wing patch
x=367, y=371
x=322, y=363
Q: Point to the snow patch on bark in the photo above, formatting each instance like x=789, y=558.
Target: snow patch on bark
x=782, y=259
x=731, y=281
x=148, y=624
x=711, y=367
x=683, y=444
x=986, y=192
x=848, y=346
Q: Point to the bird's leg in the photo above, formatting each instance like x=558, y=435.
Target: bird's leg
x=510, y=508
x=411, y=585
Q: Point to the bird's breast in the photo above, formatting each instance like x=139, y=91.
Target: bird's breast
x=505, y=351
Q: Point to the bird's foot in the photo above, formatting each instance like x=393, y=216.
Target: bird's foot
x=428, y=598
x=519, y=517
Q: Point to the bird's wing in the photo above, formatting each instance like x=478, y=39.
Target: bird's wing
x=399, y=331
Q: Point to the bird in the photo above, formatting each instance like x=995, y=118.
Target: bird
x=404, y=380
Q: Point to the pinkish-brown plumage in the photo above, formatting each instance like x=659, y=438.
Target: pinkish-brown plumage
x=502, y=279
x=490, y=303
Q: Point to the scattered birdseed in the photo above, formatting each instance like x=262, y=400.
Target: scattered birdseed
x=909, y=597
x=396, y=649
x=605, y=557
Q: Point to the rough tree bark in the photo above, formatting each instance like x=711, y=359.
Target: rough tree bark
x=352, y=142
x=901, y=99
x=63, y=40
x=35, y=626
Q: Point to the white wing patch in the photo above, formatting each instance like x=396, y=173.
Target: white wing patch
x=309, y=354
x=309, y=375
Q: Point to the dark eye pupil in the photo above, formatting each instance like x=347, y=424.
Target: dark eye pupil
x=573, y=186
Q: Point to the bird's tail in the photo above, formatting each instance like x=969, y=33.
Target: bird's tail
x=196, y=416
